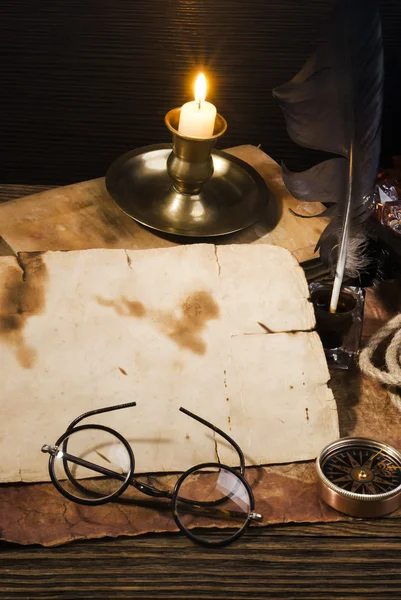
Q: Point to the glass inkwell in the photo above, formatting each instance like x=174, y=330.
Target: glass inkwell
x=340, y=331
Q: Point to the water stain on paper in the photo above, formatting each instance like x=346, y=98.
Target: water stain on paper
x=23, y=296
x=197, y=309
x=124, y=307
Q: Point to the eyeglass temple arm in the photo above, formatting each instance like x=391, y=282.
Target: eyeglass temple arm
x=220, y=432
x=99, y=411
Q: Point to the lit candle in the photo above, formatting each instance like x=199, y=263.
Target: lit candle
x=197, y=118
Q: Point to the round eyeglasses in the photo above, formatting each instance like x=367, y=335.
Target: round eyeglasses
x=93, y=464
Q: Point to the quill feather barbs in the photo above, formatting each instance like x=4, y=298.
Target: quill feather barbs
x=334, y=104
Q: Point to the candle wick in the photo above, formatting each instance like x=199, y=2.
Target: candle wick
x=199, y=104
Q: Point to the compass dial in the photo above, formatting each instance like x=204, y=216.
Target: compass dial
x=360, y=477
x=362, y=469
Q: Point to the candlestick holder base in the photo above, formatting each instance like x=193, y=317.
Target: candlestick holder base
x=229, y=201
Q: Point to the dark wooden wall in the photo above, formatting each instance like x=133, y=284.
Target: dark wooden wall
x=82, y=81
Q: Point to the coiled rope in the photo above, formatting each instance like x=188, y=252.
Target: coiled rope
x=392, y=375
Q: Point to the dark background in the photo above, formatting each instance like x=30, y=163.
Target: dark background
x=83, y=81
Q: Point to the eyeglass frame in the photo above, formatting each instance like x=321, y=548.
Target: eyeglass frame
x=144, y=488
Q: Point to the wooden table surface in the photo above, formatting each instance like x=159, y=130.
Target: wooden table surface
x=360, y=560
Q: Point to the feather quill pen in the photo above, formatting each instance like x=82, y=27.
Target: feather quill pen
x=334, y=104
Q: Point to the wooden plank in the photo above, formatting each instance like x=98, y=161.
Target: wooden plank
x=319, y=562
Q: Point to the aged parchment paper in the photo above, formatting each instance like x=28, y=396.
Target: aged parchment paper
x=189, y=326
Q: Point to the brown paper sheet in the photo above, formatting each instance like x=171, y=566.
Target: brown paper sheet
x=37, y=513
x=82, y=216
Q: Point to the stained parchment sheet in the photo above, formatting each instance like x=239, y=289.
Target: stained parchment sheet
x=222, y=331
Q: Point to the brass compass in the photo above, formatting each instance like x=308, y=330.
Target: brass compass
x=360, y=477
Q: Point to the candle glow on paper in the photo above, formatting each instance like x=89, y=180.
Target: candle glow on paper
x=197, y=118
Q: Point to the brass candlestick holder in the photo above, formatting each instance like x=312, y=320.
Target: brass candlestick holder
x=187, y=188
x=190, y=164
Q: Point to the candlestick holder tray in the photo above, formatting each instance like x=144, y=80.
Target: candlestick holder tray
x=229, y=201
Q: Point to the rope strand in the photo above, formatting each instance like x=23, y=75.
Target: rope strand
x=392, y=376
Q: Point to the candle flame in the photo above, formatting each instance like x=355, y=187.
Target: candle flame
x=200, y=89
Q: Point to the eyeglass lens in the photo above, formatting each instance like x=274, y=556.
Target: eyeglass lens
x=101, y=448
x=222, y=504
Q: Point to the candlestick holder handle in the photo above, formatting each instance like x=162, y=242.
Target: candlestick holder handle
x=190, y=164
